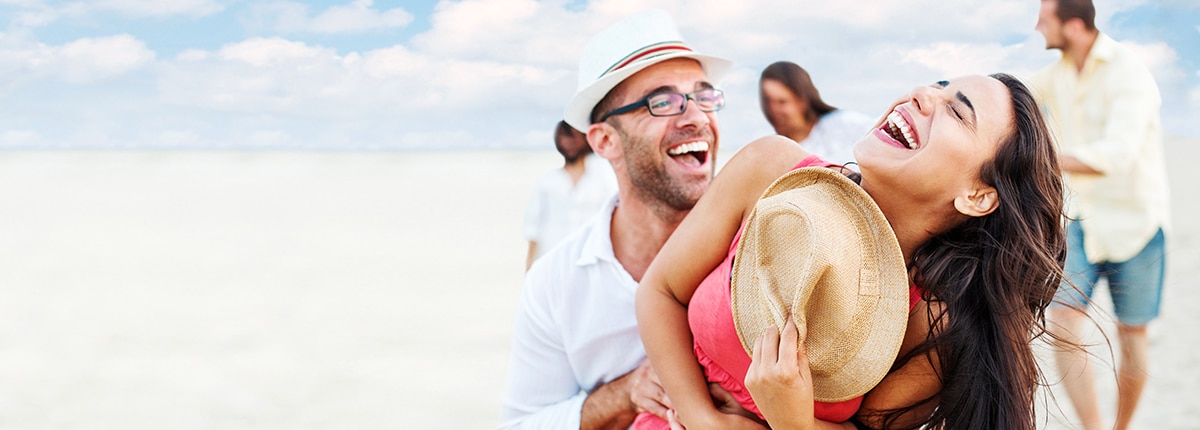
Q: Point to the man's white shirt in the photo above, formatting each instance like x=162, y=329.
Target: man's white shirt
x=575, y=330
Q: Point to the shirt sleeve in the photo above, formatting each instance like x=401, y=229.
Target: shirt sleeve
x=1131, y=112
x=542, y=392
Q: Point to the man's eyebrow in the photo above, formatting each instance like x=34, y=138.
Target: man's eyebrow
x=704, y=85
x=660, y=89
x=942, y=84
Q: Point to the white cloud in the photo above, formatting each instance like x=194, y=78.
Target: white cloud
x=1161, y=59
x=295, y=78
x=178, y=138
x=92, y=59
x=20, y=138
x=35, y=18
x=355, y=17
x=509, y=31
x=260, y=52
x=269, y=138
x=157, y=7
x=958, y=59
x=497, y=73
x=81, y=61
x=21, y=3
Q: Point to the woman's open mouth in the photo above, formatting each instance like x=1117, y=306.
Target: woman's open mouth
x=897, y=128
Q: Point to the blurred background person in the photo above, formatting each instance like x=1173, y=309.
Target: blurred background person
x=1105, y=109
x=564, y=198
x=795, y=110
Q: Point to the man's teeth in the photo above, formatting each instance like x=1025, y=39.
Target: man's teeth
x=689, y=147
x=897, y=123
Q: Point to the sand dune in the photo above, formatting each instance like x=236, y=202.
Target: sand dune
x=146, y=290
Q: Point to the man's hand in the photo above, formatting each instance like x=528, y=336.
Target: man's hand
x=616, y=404
x=1070, y=164
x=646, y=392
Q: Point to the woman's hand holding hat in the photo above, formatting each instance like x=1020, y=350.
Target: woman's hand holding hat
x=779, y=378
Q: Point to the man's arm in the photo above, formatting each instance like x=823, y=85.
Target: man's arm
x=611, y=405
x=1070, y=164
x=617, y=403
x=542, y=391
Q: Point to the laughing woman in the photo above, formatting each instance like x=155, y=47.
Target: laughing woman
x=966, y=175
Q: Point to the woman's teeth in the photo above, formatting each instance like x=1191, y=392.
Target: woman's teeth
x=898, y=129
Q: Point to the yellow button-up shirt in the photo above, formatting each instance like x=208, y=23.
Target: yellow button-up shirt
x=1107, y=116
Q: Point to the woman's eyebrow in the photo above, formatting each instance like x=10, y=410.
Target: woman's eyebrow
x=963, y=98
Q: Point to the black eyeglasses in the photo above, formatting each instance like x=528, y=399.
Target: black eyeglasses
x=672, y=103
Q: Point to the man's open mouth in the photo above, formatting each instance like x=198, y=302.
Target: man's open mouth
x=691, y=153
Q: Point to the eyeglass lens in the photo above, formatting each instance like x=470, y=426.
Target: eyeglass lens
x=664, y=104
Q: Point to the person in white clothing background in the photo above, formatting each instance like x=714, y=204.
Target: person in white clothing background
x=794, y=108
x=647, y=102
x=564, y=198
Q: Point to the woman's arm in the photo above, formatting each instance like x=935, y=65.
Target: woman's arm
x=695, y=248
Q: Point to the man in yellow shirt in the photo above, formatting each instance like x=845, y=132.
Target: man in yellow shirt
x=1104, y=109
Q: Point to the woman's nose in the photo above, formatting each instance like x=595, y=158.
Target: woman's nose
x=922, y=98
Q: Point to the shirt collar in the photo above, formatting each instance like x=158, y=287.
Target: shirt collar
x=598, y=245
x=1103, y=49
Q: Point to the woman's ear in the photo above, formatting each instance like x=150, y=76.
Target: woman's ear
x=977, y=202
x=602, y=138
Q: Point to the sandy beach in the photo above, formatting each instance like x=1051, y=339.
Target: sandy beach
x=326, y=290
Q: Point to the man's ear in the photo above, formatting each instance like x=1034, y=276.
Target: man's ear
x=1074, y=27
x=978, y=201
x=602, y=137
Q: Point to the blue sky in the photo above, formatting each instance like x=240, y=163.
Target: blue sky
x=358, y=74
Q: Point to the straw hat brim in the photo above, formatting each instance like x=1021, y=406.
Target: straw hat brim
x=817, y=248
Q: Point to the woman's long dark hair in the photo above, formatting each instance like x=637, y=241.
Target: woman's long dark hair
x=988, y=282
x=796, y=79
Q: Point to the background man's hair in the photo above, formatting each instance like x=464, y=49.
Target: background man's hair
x=1082, y=9
x=562, y=130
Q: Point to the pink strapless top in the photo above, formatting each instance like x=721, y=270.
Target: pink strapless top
x=719, y=350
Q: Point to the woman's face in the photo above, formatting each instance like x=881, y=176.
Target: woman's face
x=933, y=142
x=784, y=110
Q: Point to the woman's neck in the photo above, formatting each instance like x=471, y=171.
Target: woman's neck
x=914, y=222
x=801, y=131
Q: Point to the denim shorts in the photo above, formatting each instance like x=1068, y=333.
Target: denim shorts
x=1135, y=285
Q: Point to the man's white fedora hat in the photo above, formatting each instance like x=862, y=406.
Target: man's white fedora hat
x=625, y=48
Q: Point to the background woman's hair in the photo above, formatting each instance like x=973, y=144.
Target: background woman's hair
x=992, y=278
x=796, y=79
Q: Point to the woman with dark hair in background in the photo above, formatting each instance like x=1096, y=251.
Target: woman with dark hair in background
x=793, y=106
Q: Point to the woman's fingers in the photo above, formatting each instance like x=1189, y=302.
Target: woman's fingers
x=801, y=348
x=770, y=349
x=787, y=345
x=672, y=421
